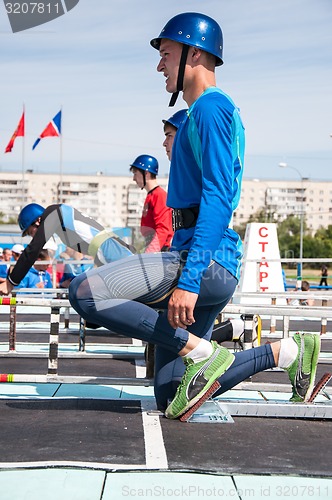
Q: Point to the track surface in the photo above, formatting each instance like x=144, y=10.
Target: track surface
x=116, y=428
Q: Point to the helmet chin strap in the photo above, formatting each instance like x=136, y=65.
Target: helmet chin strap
x=182, y=67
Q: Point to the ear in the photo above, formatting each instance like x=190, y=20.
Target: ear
x=196, y=54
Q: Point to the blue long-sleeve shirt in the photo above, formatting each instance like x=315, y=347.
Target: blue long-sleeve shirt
x=206, y=171
x=33, y=277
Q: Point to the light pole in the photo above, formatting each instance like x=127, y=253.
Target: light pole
x=299, y=267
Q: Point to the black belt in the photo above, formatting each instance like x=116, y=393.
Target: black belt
x=183, y=218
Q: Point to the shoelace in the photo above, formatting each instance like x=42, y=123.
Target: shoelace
x=187, y=362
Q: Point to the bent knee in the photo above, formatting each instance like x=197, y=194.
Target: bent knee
x=79, y=287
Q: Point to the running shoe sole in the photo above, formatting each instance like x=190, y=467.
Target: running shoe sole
x=223, y=368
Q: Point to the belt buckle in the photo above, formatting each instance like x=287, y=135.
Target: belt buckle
x=177, y=219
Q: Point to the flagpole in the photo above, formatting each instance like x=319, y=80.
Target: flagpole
x=23, y=163
x=61, y=152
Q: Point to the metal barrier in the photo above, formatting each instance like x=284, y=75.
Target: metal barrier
x=14, y=301
x=266, y=408
x=55, y=304
x=324, y=312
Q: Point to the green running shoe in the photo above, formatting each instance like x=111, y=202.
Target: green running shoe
x=198, y=378
x=303, y=371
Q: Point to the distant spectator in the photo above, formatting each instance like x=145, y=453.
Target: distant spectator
x=305, y=286
x=5, y=264
x=52, y=248
x=37, y=276
x=17, y=249
x=72, y=270
x=324, y=275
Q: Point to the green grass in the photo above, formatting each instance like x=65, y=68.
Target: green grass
x=311, y=275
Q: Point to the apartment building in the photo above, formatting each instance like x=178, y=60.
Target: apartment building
x=280, y=199
x=116, y=201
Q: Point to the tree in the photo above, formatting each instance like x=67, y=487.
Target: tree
x=289, y=233
x=259, y=216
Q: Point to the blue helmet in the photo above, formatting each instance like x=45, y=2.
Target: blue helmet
x=196, y=30
x=146, y=163
x=176, y=119
x=28, y=215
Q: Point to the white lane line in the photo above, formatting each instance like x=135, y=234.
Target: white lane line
x=139, y=363
x=67, y=463
x=155, y=452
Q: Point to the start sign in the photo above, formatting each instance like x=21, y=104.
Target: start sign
x=261, y=267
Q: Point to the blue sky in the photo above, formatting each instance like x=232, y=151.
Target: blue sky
x=96, y=63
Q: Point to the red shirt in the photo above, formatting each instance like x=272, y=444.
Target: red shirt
x=156, y=221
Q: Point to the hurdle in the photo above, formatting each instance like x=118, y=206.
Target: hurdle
x=323, y=328
x=34, y=301
x=273, y=318
x=50, y=378
x=53, y=352
x=55, y=304
x=285, y=311
x=320, y=410
x=323, y=312
x=14, y=301
x=115, y=351
x=236, y=408
x=12, y=326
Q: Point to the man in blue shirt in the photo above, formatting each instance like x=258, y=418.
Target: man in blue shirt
x=38, y=276
x=193, y=282
x=72, y=270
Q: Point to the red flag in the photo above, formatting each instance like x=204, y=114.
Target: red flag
x=19, y=132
